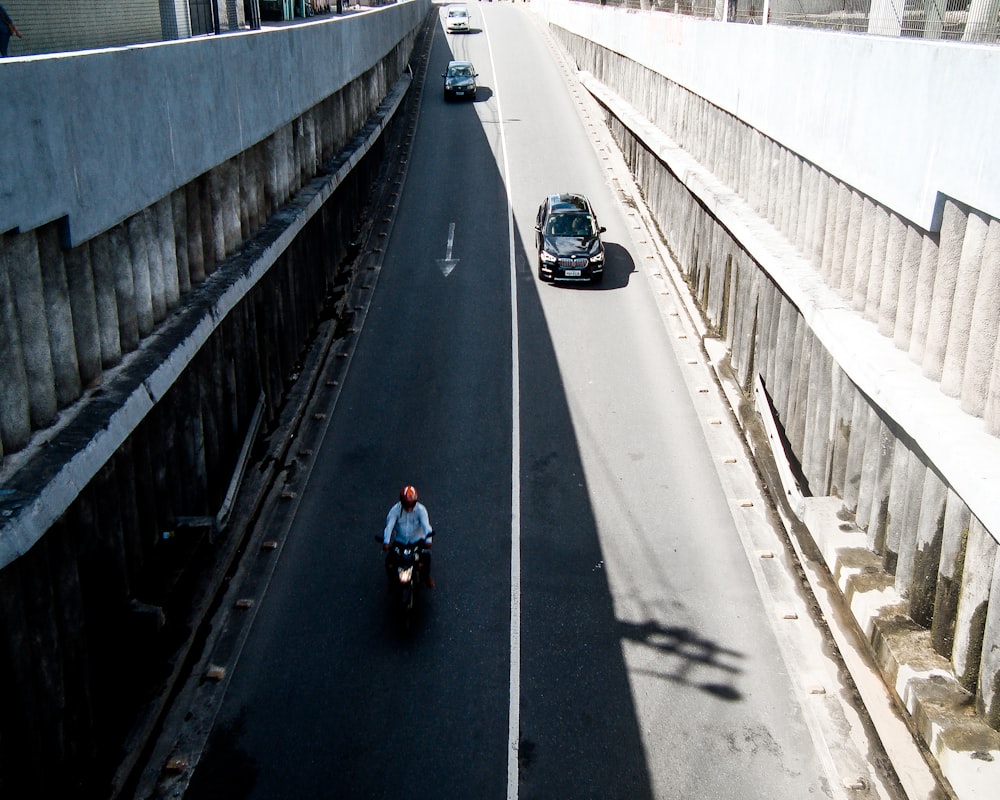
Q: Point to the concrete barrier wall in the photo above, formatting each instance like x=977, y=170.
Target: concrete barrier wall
x=872, y=338
x=895, y=119
x=132, y=364
x=111, y=155
x=103, y=134
x=69, y=314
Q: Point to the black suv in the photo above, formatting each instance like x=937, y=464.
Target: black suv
x=569, y=240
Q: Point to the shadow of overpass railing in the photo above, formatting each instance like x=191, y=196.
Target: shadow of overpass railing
x=692, y=653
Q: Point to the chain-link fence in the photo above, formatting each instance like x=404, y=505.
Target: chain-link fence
x=959, y=20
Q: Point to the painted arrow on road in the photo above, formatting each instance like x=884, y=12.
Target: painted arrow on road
x=448, y=263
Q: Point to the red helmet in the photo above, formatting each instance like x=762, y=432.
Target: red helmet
x=408, y=497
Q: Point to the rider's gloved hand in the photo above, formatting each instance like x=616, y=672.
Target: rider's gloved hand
x=384, y=547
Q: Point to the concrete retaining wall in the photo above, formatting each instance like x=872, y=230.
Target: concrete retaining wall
x=116, y=203
x=895, y=119
x=102, y=135
x=875, y=336
x=132, y=365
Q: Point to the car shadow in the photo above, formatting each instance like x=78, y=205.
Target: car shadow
x=618, y=268
x=483, y=93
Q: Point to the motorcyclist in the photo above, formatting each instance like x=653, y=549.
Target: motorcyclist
x=407, y=523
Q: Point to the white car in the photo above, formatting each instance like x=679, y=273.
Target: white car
x=456, y=19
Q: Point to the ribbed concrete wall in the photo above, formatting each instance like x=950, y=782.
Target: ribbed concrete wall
x=894, y=118
x=104, y=134
x=949, y=282
x=73, y=313
x=132, y=365
x=91, y=613
x=932, y=294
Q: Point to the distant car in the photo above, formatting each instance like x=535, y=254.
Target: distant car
x=568, y=238
x=460, y=80
x=456, y=19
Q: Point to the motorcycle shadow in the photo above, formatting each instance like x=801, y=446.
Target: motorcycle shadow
x=400, y=619
x=406, y=603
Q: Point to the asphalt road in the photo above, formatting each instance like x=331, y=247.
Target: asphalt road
x=597, y=630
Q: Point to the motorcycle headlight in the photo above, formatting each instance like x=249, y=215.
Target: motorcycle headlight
x=405, y=574
x=547, y=257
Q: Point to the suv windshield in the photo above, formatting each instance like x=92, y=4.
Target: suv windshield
x=570, y=225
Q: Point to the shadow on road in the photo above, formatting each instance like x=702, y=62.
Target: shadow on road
x=692, y=652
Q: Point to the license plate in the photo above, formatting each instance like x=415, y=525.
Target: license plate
x=573, y=273
x=459, y=94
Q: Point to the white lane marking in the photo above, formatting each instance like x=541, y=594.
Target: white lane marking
x=448, y=263
x=514, y=713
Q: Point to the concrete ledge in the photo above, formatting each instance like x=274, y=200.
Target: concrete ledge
x=938, y=710
x=941, y=711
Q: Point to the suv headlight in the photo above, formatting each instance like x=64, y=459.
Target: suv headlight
x=597, y=258
x=547, y=257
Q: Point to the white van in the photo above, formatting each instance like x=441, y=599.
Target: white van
x=456, y=19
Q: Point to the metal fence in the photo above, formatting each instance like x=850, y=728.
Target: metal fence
x=976, y=21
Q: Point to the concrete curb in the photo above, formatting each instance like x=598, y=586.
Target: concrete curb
x=941, y=711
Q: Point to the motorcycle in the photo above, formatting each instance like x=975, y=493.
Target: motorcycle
x=404, y=569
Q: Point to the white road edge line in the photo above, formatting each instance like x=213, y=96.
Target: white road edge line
x=514, y=713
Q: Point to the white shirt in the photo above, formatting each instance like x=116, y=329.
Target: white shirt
x=406, y=527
